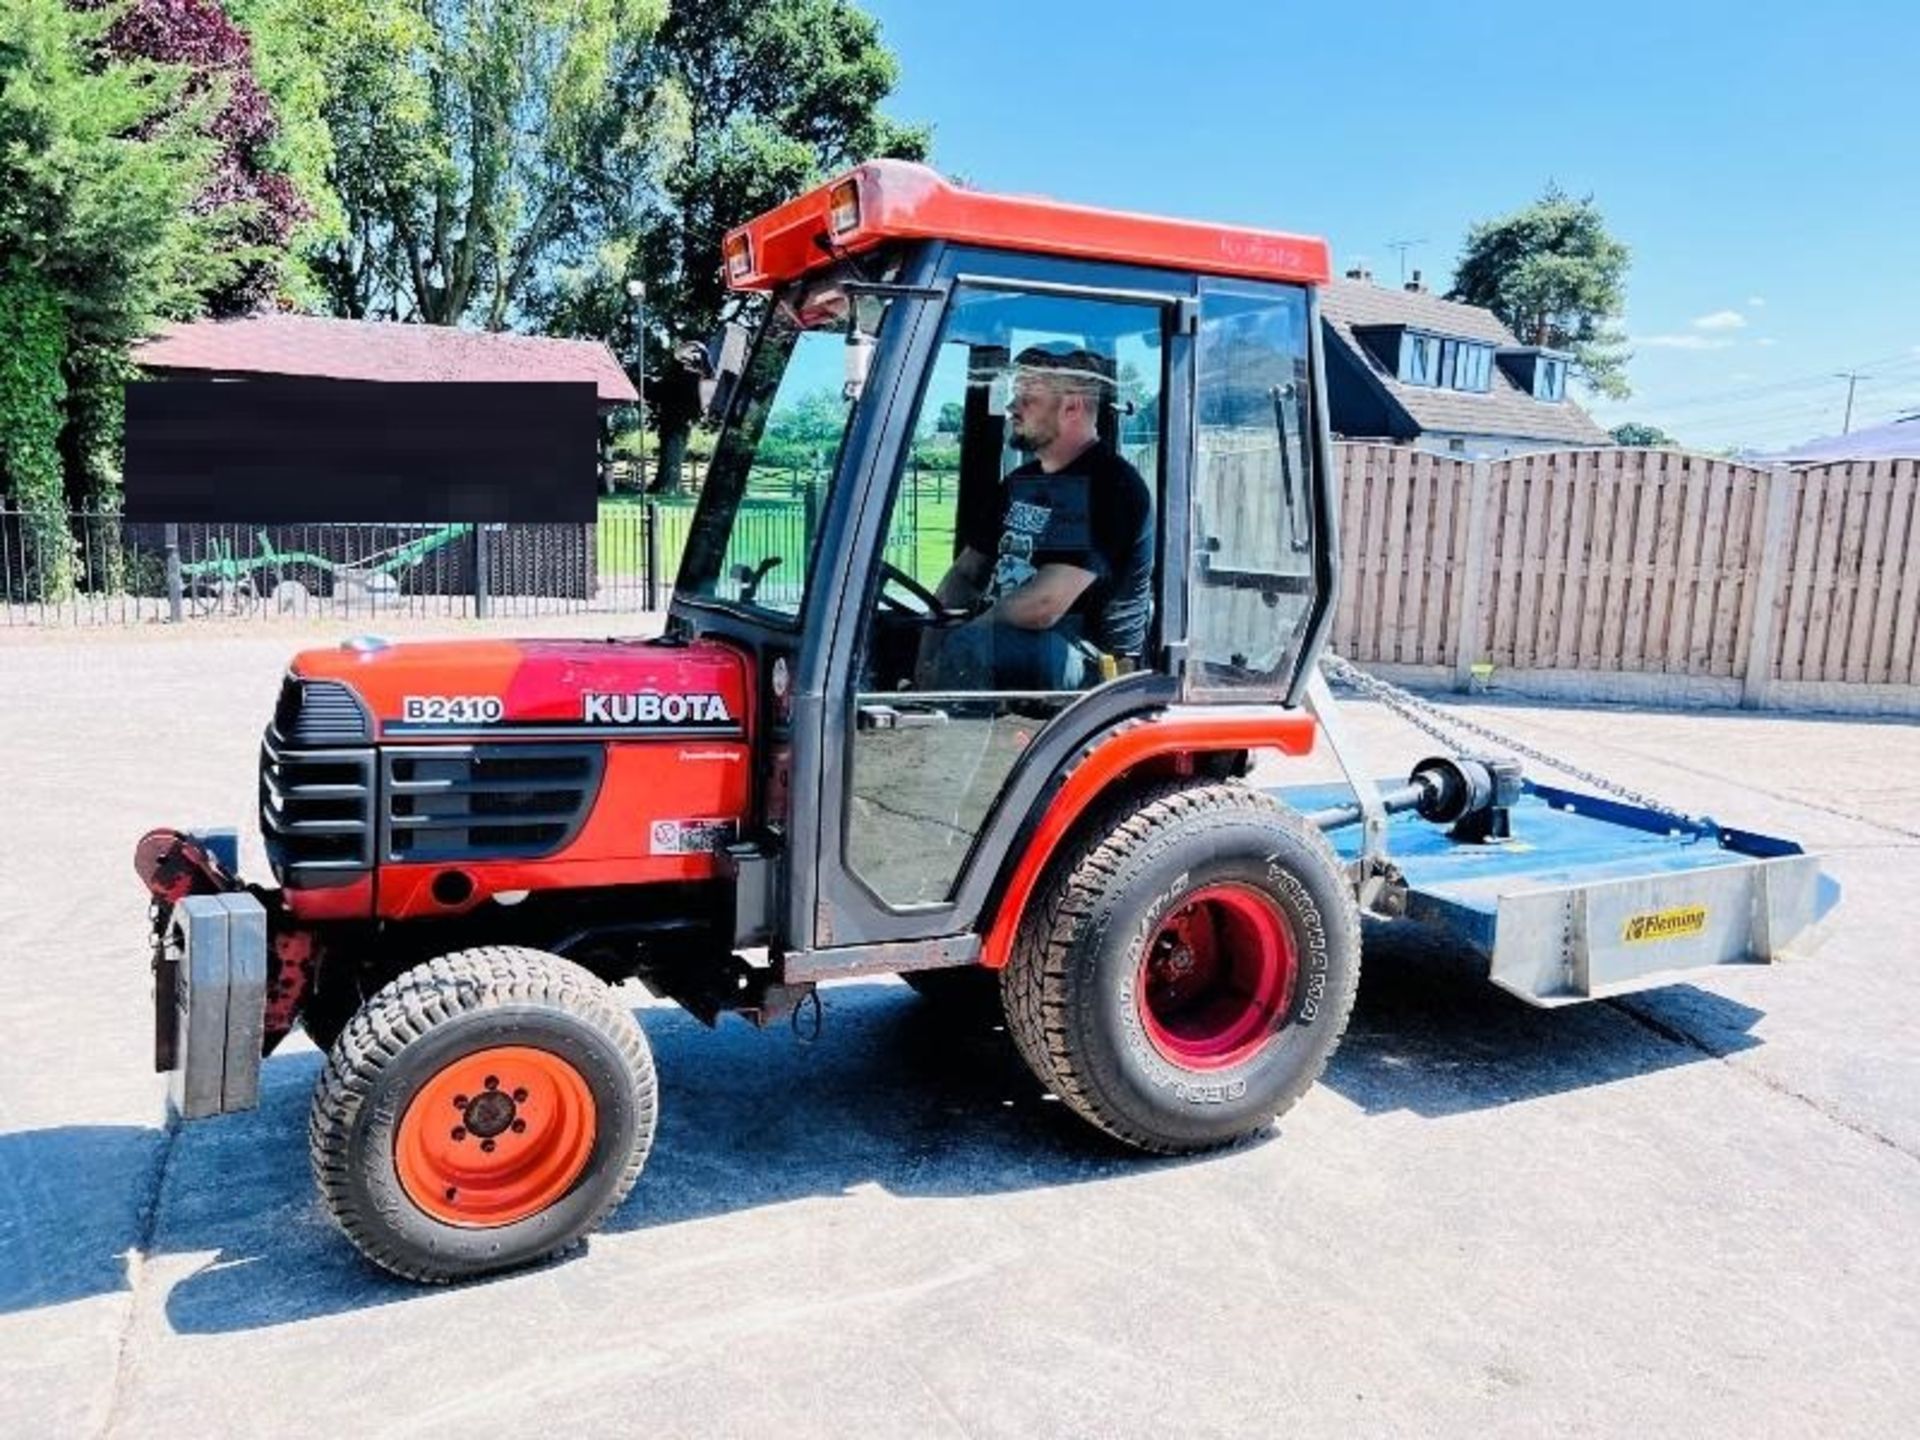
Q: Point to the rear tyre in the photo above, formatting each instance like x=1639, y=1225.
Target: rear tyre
x=1186, y=972
x=483, y=1111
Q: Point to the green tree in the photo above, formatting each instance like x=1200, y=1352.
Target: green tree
x=798, y=433
x=1556, y=278
x=1641, y=435
x=468, y=139
x=100, y=157
x=768, y=98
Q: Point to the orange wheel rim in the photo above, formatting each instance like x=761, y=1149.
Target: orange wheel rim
x=496, y=1136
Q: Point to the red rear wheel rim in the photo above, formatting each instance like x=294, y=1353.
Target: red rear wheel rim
x=495, y=1136
x=1217, y=977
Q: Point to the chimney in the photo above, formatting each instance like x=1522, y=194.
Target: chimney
x=1416, y=285
x=1361, y=273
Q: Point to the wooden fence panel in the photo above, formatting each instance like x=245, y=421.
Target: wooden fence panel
x=1747, y=530
x=1403, y=514
x=1573, y=574
x=1631, y=560
x=1443, y=561
x=1894, y=606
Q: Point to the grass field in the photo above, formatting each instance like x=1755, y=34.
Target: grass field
x=773, y=522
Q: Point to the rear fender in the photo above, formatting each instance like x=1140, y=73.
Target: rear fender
x=1174, y=742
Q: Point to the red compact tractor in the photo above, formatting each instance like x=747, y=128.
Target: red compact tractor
x=968, y=695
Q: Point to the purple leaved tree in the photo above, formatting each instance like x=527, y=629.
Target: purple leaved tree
x=251, y=206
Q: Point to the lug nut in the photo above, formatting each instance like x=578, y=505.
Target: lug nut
x=459, y=1133
x=520, y=1095
x=519, y=1127
x=451, y=1192
x=487, y=1145
x=459, y=1102
x=493, y=1082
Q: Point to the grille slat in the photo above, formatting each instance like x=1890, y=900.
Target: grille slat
x=316, y=811
x=449, y=803
x=314, y=713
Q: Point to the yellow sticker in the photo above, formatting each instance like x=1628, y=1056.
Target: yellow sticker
x=1665, y=924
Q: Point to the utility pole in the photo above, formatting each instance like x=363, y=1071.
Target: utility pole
x=1853, y=378
x=1401, y=247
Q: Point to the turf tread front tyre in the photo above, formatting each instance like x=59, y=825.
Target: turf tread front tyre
x=1051, y=982
x=487, y=986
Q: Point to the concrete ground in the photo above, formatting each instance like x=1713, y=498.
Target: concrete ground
x=1696, y=1212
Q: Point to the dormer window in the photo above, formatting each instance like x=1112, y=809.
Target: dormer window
x=1419, y=357
x=1540, y=373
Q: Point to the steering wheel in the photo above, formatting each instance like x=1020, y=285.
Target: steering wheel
x=929, y=611
x=750, y=576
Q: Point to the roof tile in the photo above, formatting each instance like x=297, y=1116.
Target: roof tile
x=308, y=345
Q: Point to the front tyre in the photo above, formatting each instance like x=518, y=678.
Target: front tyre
x=1185, y=973
x=483, y=1111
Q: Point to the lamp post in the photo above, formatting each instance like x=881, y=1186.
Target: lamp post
x=637, y=293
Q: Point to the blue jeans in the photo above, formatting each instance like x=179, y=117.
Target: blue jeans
x=982, y=655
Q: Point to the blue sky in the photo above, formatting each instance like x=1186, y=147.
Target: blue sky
x=1761, y=159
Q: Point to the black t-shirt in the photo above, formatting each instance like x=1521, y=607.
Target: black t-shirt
x=1096, y=514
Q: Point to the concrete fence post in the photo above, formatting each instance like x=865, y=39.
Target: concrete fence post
x=175, y=586
x=1780, y=488
x=1479, y=525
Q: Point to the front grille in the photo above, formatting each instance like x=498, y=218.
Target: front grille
x=320, y=713
x=316, y=812
x=449, y=803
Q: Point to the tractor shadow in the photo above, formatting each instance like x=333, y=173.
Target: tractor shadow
x=894, y=1094
x=1431, y=1036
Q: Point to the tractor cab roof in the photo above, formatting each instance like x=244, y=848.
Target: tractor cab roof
x=886, y=200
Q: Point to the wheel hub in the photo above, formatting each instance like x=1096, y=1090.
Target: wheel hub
x=1217, y=979
x=489, y=1113
x=496, y=1136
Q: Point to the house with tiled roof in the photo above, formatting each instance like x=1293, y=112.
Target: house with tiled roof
x=1407, y=367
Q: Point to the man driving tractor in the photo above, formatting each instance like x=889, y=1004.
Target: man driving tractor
x=1060, y=563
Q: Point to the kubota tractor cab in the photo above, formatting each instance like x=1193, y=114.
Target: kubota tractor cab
x=1016, y=545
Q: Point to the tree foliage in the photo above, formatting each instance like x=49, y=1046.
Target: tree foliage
x=32, y=346
x=1556, y=278
x=776, y=94
x=246, y=208
x=468, y=139
x=1647, y=436
x=98, y=164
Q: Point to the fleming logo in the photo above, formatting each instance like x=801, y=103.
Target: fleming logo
x=1665, y=924
x=649, y=708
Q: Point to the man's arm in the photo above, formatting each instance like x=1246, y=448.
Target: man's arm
x=965, y=581
x=1044, y=598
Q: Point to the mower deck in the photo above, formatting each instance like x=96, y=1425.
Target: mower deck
x=1593, y=897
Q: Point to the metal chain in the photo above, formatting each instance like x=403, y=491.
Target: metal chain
x=1446, y=725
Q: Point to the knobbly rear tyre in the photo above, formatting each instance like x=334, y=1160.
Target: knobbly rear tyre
x=1092, y=993
x=485, y=1110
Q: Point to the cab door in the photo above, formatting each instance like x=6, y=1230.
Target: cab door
x=929, y=769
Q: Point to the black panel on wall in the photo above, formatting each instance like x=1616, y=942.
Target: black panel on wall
x=314, y=451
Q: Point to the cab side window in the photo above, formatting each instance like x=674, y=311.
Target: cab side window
x=1019, y=567
x=1254, y=540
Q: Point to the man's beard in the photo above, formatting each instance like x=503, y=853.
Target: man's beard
x=1023, y=442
